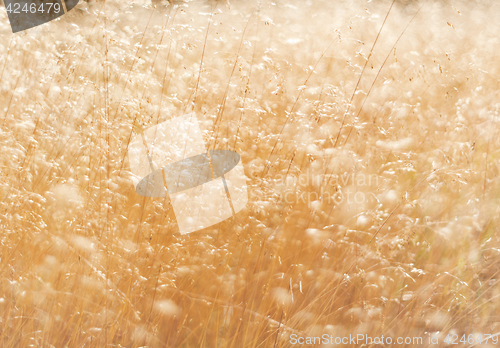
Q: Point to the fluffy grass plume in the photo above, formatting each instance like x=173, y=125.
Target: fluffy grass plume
x=368, y=132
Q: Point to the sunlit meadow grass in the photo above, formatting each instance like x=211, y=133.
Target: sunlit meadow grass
x=368, y=132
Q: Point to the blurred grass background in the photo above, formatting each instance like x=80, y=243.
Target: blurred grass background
x=373, y=173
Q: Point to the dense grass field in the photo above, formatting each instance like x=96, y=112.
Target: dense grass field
x=368, y=131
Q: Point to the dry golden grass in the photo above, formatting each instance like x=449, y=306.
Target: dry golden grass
x=407, y=245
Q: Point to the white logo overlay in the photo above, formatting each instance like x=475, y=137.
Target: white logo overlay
x=205, y=188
